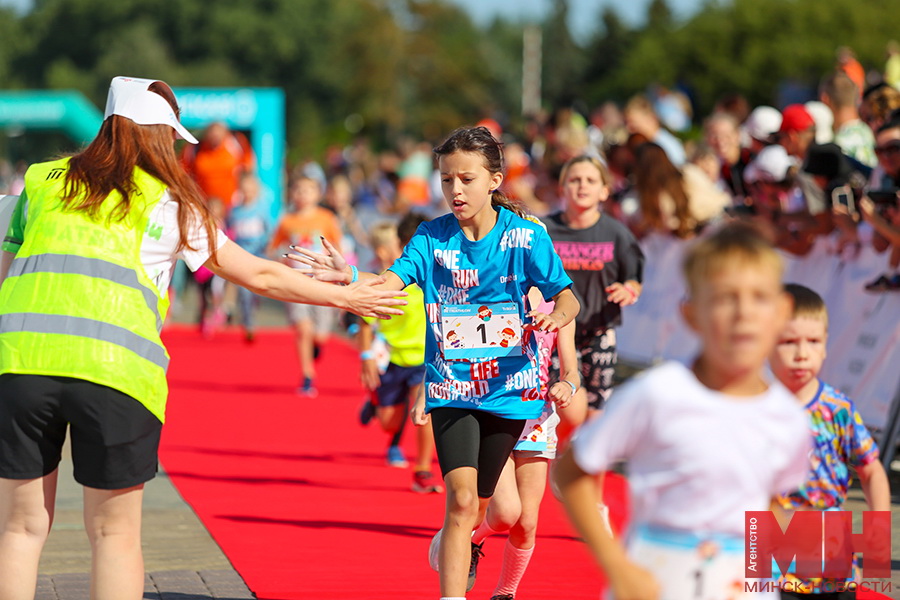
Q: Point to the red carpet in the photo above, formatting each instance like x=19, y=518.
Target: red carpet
x=297, y=493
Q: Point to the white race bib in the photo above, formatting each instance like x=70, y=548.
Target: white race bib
x=471, y=331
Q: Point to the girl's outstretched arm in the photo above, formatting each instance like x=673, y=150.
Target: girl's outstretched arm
x=275, y=280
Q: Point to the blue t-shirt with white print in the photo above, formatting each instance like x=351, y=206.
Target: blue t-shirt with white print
x=500, y=268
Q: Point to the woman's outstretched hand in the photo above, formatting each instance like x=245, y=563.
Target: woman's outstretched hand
x=327, y=266
x=366, y=301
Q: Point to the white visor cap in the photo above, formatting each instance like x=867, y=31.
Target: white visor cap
x=130, y=97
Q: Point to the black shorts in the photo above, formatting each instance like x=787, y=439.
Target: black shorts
x=474, y=438
x=396, y=384
x=115, y=439
x=597, y=353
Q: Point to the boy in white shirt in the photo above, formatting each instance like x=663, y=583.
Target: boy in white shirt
x=702, y=444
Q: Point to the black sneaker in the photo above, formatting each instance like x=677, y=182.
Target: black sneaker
x=503, y=597
x=477, y=554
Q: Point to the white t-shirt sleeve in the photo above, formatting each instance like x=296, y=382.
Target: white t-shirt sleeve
x=616, y=434
x=158, y=247
x=198, y=239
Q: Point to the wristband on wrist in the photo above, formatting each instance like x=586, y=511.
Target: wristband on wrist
x=355, y=274
x=631, y=291
x=367, y=355
x=573, y=386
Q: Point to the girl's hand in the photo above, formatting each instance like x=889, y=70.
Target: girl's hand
x=543, y=322
x=632, y=582
x=621, y=294
x=418, y=414
x=561, y=393
x=369, y=374
x=328, y=266
x=365, y=301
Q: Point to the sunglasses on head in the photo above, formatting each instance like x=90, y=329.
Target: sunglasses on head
x=892, y=147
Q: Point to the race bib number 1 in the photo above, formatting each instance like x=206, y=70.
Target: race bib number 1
x=471, y=331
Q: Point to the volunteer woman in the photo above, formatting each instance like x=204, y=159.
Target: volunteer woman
x=84, y=271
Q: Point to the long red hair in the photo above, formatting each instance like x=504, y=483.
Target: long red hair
x=107, y=166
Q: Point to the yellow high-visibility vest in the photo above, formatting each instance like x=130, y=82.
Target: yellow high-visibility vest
x=77, y=301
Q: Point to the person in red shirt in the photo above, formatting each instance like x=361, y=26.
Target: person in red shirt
x=219, y=161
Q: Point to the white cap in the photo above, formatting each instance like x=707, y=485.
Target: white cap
x=763, y=122
x=771, y=164
x=130, y=98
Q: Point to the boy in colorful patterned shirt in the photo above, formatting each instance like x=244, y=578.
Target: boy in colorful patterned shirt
x=840, y=439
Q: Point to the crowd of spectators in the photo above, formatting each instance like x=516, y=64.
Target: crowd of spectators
x=826, y=168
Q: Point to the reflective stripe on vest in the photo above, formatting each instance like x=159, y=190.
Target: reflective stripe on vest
x=91, y=267
x=89, y=328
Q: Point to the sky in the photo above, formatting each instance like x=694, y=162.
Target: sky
x=584, y=15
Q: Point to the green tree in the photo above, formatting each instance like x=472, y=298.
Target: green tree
x=606, y=53
x=564, y=60
x=445, y=80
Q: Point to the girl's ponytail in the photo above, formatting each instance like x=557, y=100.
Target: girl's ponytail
x=500, y=199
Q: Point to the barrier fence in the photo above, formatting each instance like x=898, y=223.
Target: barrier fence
x=863, y=358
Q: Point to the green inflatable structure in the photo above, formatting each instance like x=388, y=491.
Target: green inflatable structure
x=260, y=111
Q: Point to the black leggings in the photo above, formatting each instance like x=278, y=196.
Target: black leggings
x=474, y=438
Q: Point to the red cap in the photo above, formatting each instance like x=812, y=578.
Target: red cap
x=796, y=118
x=492, y=126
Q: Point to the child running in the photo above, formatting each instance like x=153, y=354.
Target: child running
x=250, y=222
x=395, y=388
x=840, y=439
x=305, y=227
x=517, y=499
x=480, y=393
x=702, y=443
x=606, y=265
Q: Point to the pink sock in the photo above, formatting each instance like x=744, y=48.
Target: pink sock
x=515, y=561
x=482, y=533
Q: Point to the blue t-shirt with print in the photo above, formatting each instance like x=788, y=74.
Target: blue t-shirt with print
x=499, y=268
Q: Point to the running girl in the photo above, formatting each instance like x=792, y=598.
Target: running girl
x=606, y=265
x=482, y=254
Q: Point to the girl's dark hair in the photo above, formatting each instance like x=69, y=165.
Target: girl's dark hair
x=654, y=174
x=107, y=165
x=478, y=140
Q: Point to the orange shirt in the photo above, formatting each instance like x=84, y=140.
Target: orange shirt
x=218, y=170
x=304, y=230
